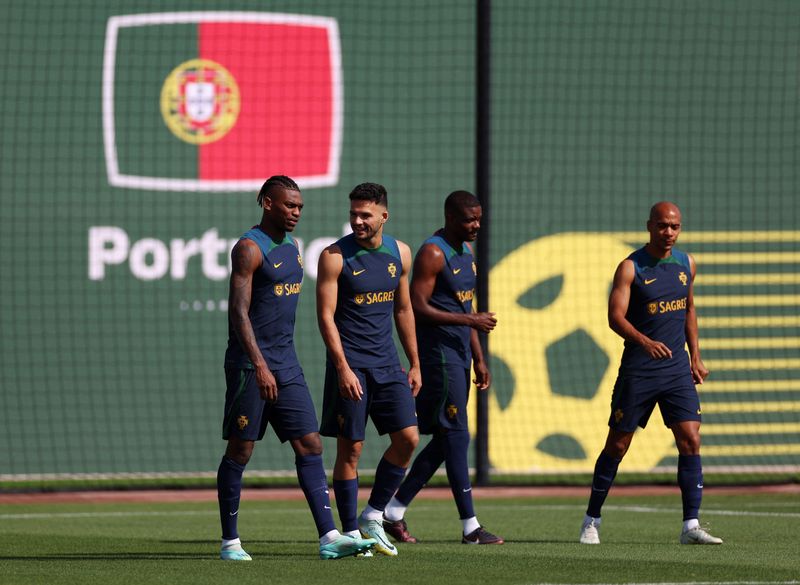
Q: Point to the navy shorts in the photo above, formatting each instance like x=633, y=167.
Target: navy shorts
x=442, y=401
x=634, y=399
x=246, y=414
x=387, y=400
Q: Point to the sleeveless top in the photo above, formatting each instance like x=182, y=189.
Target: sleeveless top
x=365, y=301
x=657, y=308
x=273, y=304
x=453, y=292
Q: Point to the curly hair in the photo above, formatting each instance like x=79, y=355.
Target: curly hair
x=275, y=181
x=370, y=192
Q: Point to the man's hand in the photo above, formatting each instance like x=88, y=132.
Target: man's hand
x=483, y=379
x=415, y=380
x=699, y=371
x=267, y=385
x=349, y=385
x=483, y=321
x=656, y=349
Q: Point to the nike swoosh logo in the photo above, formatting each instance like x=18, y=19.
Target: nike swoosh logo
x=357, y=272
x=700, y=486
x=466, y=490
x=327, y=507
x=649, y=280
x=456, y=270
x=233, y=513
x=278, y=265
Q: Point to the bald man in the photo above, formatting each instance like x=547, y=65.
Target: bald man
x=651, y=306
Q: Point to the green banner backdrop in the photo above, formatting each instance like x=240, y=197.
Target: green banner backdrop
x=124, y=185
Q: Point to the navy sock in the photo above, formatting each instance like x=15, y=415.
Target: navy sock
x=346, y=491
x=387, y=479
x=605, y=470
x=229, y=490
x=456, y=448
x=311, y=475
x=425, y=465
x=690, y=480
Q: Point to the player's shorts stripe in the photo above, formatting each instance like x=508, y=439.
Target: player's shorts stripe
x=239, y=391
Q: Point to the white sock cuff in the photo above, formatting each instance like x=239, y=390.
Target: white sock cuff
x=329, y=537
x=371, y=513
x=470, y=524
x=395, y=510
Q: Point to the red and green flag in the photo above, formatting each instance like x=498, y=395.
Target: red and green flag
x=218, y=101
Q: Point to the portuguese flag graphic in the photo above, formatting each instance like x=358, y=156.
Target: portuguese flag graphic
x=219, y=101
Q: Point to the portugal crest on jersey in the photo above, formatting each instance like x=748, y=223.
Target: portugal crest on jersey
x=200, y=101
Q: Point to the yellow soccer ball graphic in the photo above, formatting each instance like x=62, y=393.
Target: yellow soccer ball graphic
x=551, y=412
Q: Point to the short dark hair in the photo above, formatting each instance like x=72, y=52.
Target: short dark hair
x=370, y=192
x=275, y=181
x=458, y=200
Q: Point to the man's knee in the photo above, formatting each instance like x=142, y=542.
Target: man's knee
x=687, y=437
x=617, y=444
x=404, y=442
x=688, y=444
x=348, y=452
x=309, y=444
x=239, y=451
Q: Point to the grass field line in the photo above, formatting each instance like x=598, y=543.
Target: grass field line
x=422, y=508
x=684, y=583
x=639, y=509
x=130, y=514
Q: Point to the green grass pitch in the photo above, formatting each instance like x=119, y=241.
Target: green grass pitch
x=178, y=543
